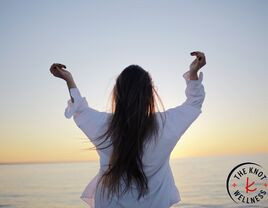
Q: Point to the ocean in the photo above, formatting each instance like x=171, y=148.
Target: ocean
x=201, y=182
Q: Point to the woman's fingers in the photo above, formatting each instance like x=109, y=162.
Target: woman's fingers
x=53, y=69
x=60, y=66
x=199, y=55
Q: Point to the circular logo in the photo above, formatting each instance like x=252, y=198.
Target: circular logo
x=247, y=183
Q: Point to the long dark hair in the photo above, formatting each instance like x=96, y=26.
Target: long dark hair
x=131, y=125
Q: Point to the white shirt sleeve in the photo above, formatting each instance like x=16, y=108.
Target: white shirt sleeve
x=178, y=119
x=89, y=120
x=194, y=91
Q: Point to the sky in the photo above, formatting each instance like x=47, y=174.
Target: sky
x=96, y=40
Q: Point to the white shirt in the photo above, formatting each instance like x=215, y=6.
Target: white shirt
x=163, y=192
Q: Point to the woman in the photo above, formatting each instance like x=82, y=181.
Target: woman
x=134, y=142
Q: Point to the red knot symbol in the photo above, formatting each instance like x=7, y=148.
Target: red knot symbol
x=249, y=185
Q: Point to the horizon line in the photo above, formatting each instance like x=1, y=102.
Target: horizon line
x=96, y=160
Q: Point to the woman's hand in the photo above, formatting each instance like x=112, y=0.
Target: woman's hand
x=197, y=64
x=58, y=70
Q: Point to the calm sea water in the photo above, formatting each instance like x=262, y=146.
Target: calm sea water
x=201, y=182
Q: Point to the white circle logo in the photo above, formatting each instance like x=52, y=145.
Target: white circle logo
x=247, y=183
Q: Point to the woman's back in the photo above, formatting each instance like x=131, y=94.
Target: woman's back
x=162, y=190
x=135, y=141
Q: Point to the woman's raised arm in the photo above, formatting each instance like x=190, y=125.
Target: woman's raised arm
x=179, y=118
x=59, y=70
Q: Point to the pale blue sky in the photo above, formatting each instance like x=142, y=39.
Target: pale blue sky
x=97, y=39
